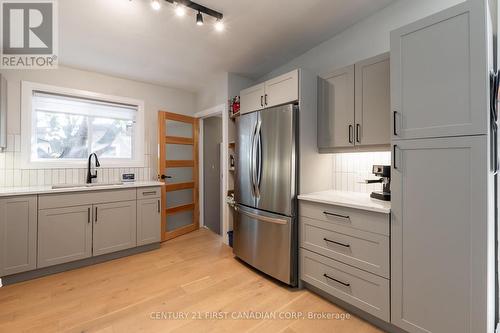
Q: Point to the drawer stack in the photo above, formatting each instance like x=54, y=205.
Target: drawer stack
x=345, y=252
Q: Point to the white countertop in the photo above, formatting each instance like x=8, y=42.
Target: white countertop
x=349, y=199
x=13, y=191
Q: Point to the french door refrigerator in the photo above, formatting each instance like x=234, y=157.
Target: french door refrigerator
x=265, y=223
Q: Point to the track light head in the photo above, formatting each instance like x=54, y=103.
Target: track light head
x=199, y=18
x=180, y=9
x=155, y=4
x=219, y=25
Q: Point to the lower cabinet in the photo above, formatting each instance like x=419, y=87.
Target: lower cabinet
x=18, y=226
x=114, y=227
x=148, y=221
x=64, y=235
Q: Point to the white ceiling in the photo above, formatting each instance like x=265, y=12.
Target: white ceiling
x=127, y=38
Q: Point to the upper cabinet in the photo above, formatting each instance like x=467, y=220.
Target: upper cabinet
x=336, y=110
x=280, y=90
x=354, y=107
x=439, y=75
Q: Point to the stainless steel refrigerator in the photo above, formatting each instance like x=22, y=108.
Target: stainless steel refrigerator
x=265, y=223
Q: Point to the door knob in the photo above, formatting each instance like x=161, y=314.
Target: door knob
x=165, y=177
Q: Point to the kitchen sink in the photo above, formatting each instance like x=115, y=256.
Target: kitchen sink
x=55, y=187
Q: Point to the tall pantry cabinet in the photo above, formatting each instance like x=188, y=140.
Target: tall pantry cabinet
x=442, y=256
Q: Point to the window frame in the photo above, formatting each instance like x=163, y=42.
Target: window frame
x=27, y=89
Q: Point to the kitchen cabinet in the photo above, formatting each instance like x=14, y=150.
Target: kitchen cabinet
x=279, y=90
x=354, y=107
x=148, y=221
x=64, y=235
x=372, y=102
x=3, y=112
x=439, y=229
x=336, y=110
x=18, y=229
x=115, y=227
x=439, y=74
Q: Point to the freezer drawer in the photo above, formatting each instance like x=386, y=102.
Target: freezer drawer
x=264, y=241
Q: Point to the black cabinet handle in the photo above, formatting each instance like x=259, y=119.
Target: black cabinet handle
x=394, y=156
x=158, y=206
x=358, y=129
x=338, y=243
x=394, y=114
x=261, y=100
x=350, y=133
x=88, y=215
x=96, y=215
x=337, y=215
x=338, y=281
x=265, y=99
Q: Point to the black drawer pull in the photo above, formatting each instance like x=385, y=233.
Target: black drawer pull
x=394, y=114
x=149, y=193
x=338, y=243
x=338, y=281
x=337, y=215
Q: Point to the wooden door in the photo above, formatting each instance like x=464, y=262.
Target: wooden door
x=178, y=167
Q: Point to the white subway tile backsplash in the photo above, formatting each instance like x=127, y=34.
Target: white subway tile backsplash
x=351, y=169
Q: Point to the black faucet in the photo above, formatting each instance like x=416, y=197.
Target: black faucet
x=91, y=176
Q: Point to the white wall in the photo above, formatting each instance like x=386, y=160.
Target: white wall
x=155, y=98
x=364, y=39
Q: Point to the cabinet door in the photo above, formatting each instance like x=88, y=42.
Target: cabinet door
x=64, y=235
x=148, y=221
x=115, y=227
x=252, y=99
x=18, y=225
x=282, y=89
x=439, y=74
x=336, y=110
x=439, y=231
x=372, y=102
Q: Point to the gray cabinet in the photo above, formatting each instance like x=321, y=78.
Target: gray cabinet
x=64, y=235
x=148, y=221
x=372, y=102
x=336, y=110
x=439, y=229
x=114, y=227
x=18, y=224
x=3, y=112
x=354, y=107
x=439, y=74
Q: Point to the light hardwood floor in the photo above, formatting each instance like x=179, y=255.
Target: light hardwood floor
x=193, y=274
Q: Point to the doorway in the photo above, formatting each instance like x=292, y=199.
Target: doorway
x=212, y=173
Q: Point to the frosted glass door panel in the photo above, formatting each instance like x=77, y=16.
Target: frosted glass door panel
x=177, y=152
x=179, y=220
x=177, y=128
x=179, y=175
x=179, y=198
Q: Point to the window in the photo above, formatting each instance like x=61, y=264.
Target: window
x=65, y=127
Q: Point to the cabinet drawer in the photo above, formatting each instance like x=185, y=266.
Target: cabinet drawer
x=354, y=218
x=148, y=192
x=363, y=290
x=364, y=250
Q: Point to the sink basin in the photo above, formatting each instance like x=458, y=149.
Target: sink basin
x=55, y=187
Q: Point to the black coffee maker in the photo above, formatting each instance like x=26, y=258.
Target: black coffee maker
x=384, y=172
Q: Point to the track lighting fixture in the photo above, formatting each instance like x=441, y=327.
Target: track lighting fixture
x=180, y=9
x=219, y=25
x=199, y=19
x=155, y=4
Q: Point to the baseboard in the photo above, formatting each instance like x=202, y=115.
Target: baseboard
x=25, y=276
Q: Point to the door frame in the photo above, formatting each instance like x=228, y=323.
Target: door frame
x=163, y=138
x=217, y=110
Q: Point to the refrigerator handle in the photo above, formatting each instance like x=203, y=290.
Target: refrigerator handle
x=262, y=217
x=252, y=164
x=259, y=164
x=256, y=167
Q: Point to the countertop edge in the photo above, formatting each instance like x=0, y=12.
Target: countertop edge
x=305, y=197
x=40, y=190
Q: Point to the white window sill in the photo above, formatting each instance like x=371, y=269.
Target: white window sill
x=105, y=164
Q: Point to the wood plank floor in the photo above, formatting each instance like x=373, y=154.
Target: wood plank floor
x=189, y=276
